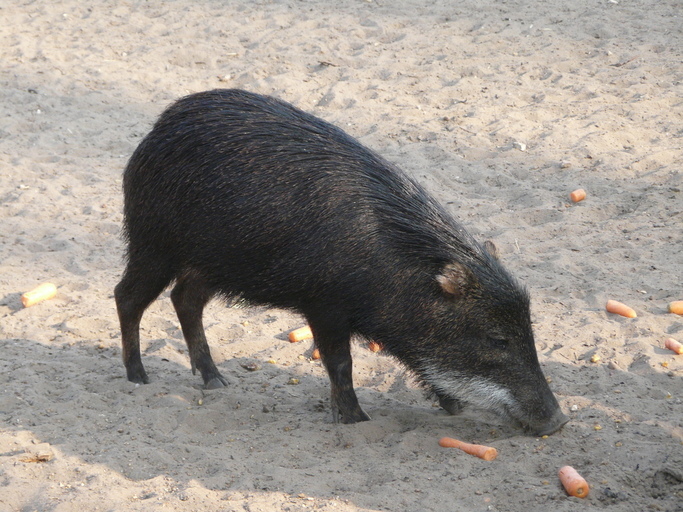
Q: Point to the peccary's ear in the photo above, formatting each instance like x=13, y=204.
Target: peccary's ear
x=456, y=280
x=491, y=248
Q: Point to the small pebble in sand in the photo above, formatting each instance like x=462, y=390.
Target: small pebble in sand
x=251, y=367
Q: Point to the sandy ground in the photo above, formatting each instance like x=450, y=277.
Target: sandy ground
x=500, y=108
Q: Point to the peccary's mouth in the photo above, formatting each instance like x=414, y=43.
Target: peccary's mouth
x=486, y=395
x=555, y=423
x=513, y=413
x=534, y=427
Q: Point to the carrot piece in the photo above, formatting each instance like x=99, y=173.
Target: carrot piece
x=573, y=483
x=43, y=292
x=619, y=308
x=374, y=346
x=673, y=345
x=478, y=450
x=302, y=333
x=315, y=354
x=676, y=307
x=578, y=195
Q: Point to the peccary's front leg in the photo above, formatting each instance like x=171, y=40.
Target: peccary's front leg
x=334, y=342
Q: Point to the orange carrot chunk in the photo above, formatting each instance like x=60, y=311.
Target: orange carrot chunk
x=676, y=307
x=619, y=308
x=673, y=345
x=43, y=292
x=302, y=333
x=573, y=483
x=315, y=354
x=578, y=195
x=478, y=450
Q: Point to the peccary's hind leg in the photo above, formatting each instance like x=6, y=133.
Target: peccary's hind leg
x=189, y=297
x=139, y=286
x=333, y=339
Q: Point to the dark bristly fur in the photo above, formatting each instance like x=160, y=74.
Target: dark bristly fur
x=242, y=195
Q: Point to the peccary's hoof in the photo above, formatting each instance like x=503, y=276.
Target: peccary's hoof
x=216, y=383
x=357, y=418
x=138, y=376
x=349, y=418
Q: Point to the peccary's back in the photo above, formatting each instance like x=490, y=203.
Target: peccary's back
x=250, y=191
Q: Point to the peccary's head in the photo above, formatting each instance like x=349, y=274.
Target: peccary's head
x=482, y=348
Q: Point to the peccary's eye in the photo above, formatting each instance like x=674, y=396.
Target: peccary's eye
x=499, y=343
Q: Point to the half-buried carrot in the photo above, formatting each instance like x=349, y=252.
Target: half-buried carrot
x=673, y=345
x=619, y=308
x=43, y=292
x=302, y=333
x=676, y=307
x=573, y=483
x=478, y=450
x=578, y=195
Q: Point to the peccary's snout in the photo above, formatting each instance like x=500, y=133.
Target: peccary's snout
x=546, y=415
x=555, y=423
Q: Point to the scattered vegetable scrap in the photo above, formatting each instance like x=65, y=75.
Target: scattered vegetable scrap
x=41, y=452
x=315, y=354
x=619, y=308
x=37, y=457
x=573, y=483
x=578, y=195
x=43, y=292
x=673, y=345
x=302, y=333
x=676, y=307
x=478, y=450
